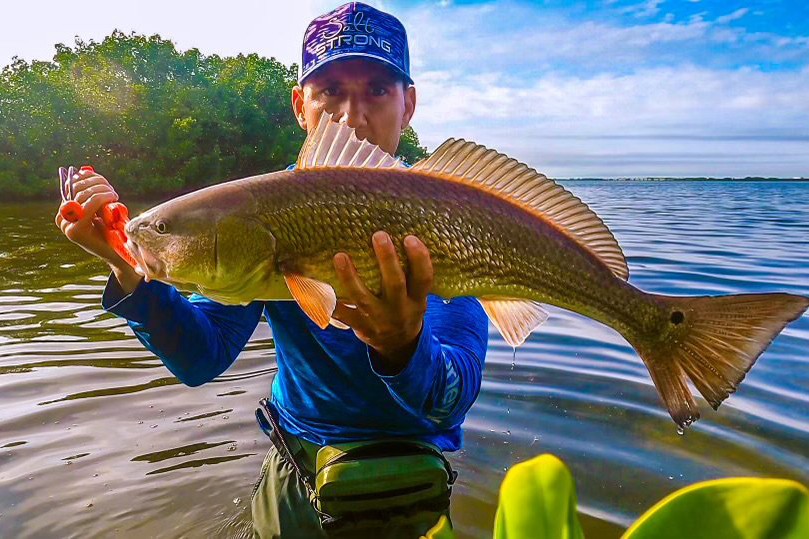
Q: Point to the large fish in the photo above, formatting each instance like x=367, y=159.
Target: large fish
x=496, y=230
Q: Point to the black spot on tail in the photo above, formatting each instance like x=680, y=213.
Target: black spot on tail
x=677, y=317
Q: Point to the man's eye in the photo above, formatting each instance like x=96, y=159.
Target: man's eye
x=331, y=91
x=379, y=91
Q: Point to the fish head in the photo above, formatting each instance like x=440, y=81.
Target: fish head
x=209, y=241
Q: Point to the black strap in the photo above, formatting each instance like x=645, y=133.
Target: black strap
x=265, y=415
x=436, y=504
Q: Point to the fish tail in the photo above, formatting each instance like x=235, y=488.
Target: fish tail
x=712, y=341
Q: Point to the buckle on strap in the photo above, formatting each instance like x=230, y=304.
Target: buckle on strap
x=268, y=422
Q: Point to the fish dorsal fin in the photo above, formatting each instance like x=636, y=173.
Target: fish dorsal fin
x=514, y=318
x=507, y=178
x=334, y=144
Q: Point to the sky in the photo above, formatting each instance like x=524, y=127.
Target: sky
x=601, y=88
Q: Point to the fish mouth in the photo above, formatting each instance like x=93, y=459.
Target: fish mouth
x=147, y=265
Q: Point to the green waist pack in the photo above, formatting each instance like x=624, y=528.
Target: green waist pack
x=368, y=479
x=382, y=475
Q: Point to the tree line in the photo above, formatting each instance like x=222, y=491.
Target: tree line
x=150, y=118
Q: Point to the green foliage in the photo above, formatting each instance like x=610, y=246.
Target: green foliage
x=538, y=499
x=735, y=508
x=409, y=149
x=150, y=118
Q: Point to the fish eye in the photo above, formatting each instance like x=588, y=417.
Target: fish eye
x=160, y=226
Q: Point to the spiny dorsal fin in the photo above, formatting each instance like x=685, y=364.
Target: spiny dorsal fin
x=334, y=144
x=508, y=178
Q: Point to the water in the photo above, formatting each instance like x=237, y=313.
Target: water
x=98, y=439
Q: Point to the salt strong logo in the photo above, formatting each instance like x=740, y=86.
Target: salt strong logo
x=354, y=30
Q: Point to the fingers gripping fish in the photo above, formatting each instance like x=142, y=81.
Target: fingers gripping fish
x=496, y=230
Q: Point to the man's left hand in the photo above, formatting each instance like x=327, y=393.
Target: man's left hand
x=391, y=322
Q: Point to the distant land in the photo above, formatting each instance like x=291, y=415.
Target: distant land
x=687, y=179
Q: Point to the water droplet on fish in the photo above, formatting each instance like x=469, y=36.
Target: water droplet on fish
x=671, y=477
x=154, y=426
x=680, y=431
x=237, y=500
x=445, y=301
x=508, y=410
x=513, y=357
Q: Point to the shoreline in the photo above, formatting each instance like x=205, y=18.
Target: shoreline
x=158, y=197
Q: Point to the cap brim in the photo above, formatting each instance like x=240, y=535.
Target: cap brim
x=387, y=63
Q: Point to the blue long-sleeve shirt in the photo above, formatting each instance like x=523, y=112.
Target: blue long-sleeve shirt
x=326, y=389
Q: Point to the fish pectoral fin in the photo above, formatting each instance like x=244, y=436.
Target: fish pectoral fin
x=316, y=298
x=514, y=318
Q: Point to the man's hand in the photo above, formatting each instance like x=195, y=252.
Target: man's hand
x=92, y=191
x=391, y=323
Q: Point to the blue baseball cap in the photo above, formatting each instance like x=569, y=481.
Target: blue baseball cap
x=355, y=30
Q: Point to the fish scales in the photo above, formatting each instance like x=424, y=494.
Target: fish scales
x=495, y=229
x=480, y=245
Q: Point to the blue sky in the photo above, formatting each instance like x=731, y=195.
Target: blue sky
x=595, y=88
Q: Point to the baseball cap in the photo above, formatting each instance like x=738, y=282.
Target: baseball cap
x=355, y=30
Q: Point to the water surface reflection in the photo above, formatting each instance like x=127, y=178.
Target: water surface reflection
x=97, y=438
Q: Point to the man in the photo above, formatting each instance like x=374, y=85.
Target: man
x=410, y=367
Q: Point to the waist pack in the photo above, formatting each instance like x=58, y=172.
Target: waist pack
x=371, y=479
x=382, y=475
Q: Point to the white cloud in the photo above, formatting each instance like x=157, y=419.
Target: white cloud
x=738, y=14
x=542, y=40
x=539, y=40
x=644, y=9
x=594, y=98
x=675, y=120
x=569, y=97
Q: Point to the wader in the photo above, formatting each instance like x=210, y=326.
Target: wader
x=378, y=489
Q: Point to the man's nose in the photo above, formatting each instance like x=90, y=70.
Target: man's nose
x=352, y=112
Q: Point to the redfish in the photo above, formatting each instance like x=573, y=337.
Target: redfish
x=495, y=229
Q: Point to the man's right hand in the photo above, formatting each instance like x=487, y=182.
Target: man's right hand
x=92, y=191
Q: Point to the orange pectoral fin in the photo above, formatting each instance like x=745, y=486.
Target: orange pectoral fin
x=316, y=298
x=514, y=318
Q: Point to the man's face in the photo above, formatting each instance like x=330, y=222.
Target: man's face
x=362, y=93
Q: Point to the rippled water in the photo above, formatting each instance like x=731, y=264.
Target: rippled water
x=98, y=439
